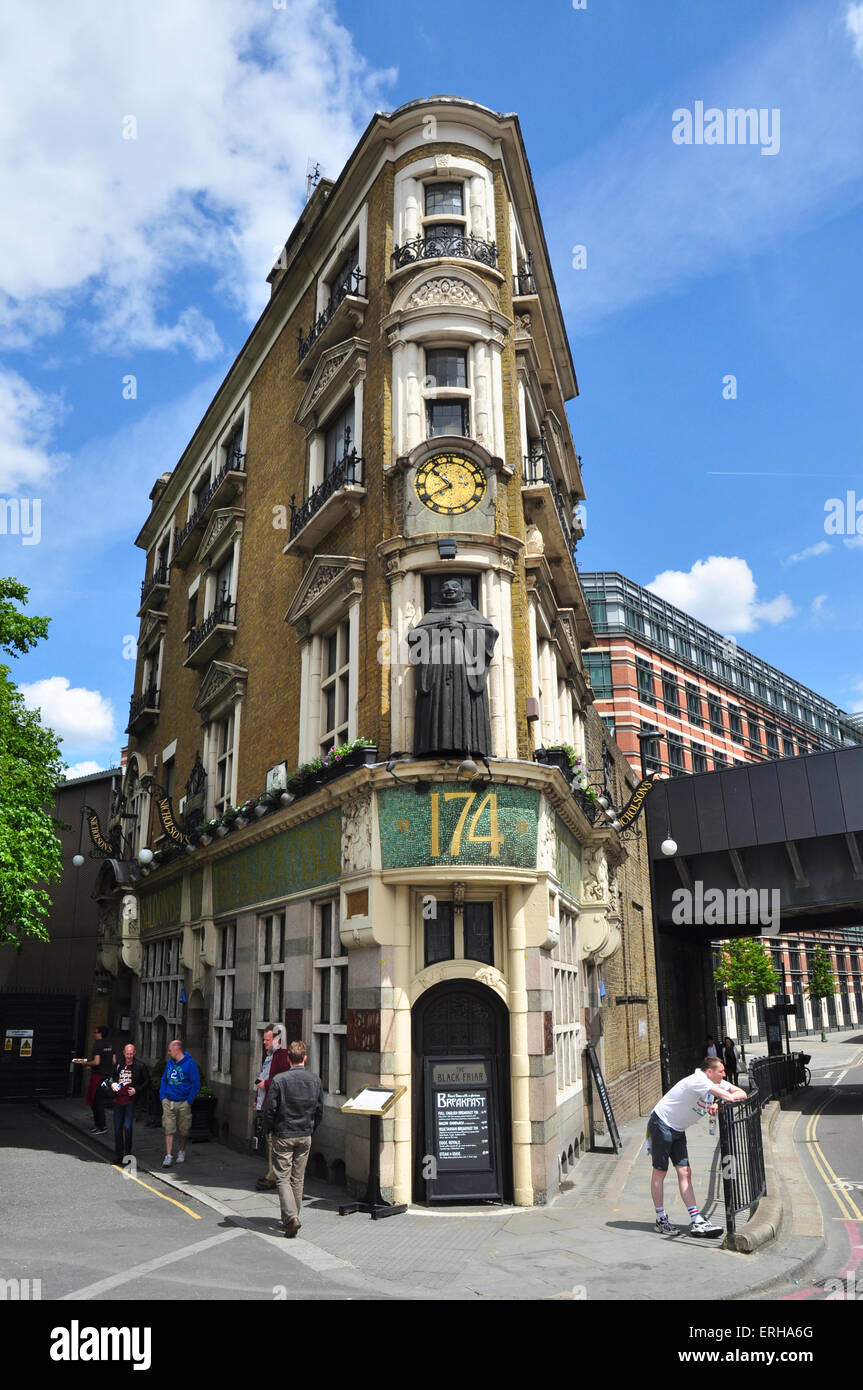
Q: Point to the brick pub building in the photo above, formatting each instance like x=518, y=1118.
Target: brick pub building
x=395, y=419
x=712, y=704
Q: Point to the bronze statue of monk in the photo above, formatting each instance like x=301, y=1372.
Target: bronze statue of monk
x=451, y=647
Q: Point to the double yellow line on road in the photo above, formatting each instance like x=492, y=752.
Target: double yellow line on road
x=124, y=1172
x=845, y=1202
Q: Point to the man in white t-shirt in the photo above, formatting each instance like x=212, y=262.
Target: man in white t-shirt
x=690, y=1100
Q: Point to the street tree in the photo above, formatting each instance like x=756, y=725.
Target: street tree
x=744, y=970
x=821, y=982
x=30, y=767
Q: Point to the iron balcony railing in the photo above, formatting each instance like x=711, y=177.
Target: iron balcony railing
x=348, y=470
x=523, y=281
x=537, y=469
x=148, y=699
x=773, y=1077
x=234, y=463
x=159, y=576
x=743, y=1177
x=224, y=612
x=471, y=248
x=355, y=284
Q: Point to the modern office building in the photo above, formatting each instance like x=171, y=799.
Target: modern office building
x=711, y=704
x=332, y=745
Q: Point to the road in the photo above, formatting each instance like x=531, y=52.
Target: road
x=75, y=1222
x=829, y=1139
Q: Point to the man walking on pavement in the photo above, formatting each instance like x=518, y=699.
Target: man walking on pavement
x=180, y=1085
x=275, y=1062
x=690, y=1100
x=102, y=1066
x=130, y=1080
x=295, y=1108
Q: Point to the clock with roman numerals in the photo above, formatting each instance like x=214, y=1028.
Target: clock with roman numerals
x=450, y=483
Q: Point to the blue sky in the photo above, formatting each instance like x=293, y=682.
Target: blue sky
x=147, y=256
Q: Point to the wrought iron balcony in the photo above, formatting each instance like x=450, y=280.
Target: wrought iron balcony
x=143, y=709
x=537, y=469
x=158, y=580
x=347, y=472
x=354, y=285
x=586, y=804
x=218, y=627
x=523, y=281
x=234, y=464
x=425, y=248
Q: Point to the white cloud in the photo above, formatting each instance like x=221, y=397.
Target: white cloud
x=85, y=769
x=29, y=419
x=655, y=216
x=83, y=717
x=818, y=603
x=821, y=548
x=853, y=542
x=213, y=180
x=854, y=26
x=721, y=591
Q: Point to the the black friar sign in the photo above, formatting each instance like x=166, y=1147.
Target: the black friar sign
x=463, y=1125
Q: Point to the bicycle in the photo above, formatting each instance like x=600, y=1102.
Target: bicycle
x=803, y=1076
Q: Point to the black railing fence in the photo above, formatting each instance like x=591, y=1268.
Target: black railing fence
x=773, y=1077
x=742, y=1156
x=346, y=472
x=353, y=284
x=224, y=612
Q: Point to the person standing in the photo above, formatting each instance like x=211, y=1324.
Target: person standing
x=180, y=1084
x=295, y=1108
x=103, y=1063
x=130, y=1080
x=710, y=1048
x=690, y=1100
x=275, y=1062
x=730, y=1054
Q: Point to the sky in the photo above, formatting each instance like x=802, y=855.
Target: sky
x=153, y=160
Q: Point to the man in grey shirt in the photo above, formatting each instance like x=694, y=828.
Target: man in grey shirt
x=295, y=1108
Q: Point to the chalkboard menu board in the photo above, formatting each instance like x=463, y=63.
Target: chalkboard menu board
x=462, y=1129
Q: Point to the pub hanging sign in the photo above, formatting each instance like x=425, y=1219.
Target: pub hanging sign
x=165, y=808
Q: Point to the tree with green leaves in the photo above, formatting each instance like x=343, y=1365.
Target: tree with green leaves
x=821, y=982
x=30, y=767
x=744, y=970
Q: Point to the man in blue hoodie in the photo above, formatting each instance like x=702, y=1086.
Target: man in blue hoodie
x=180, y=1085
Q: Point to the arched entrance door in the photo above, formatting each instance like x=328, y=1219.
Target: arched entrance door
x=461, y=1112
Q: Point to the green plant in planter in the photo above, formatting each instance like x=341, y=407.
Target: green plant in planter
x=229, y=816
x=205, y=1093
x=344, y=750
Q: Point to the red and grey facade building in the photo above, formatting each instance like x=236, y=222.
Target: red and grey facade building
x=712, y=704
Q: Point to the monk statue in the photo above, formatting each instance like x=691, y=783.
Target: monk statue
x=450, y=650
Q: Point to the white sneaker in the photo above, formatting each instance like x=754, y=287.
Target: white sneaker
x=704, y=1230
x=181, y=1156
x=167, y=1160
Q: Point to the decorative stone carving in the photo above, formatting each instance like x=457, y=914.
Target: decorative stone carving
x=327, y=375
x=357, y=834
x=595, y=881
x=443, y=289
x=488, y=977
x=546, y=849
x=443, y=161
x=223, y=678
x=535, y=545
x=523, y=324
x=130, y=945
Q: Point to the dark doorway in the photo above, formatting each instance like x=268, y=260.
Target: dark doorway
x=462, y=1130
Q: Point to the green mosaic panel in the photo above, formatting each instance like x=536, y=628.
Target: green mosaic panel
x=447, y=826
x=161, y=908
x=196, y=894
x=568, y=861
x=305, y=857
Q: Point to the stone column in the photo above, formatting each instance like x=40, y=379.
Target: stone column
x=401, y=1044
x=519, y=1055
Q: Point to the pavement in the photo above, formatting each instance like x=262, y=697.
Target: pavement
x=594, y=1241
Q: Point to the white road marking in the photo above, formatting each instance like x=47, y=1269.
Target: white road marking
x=311, y=1255
x=841, y=1077
x=114, y=1282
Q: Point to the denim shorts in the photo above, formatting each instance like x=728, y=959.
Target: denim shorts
x=666, y=1143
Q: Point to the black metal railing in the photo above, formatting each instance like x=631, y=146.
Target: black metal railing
x=355, y=284
x=424, y=248
x=586, y=804
x=523, y=281
x=741, y=1148
x=776, y=1076
x=349, y=469
x=159, y=576
x=537, y=469
x=234, y=463
x=148, y=699
x=224, y=612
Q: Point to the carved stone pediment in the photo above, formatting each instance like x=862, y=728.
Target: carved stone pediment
x=219, y=532
x=223, y=682
x=338, y=366
x=328, y=577
x=152, y=630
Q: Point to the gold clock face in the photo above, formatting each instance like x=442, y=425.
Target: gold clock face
x=450, y=484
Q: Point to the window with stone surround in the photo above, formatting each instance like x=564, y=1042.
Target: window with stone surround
x=564, y=969
x=271, y=969
x=161, y=983
x=330, y=1000
x=223, y=1001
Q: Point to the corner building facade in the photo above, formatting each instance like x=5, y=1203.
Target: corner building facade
x=395, y=419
